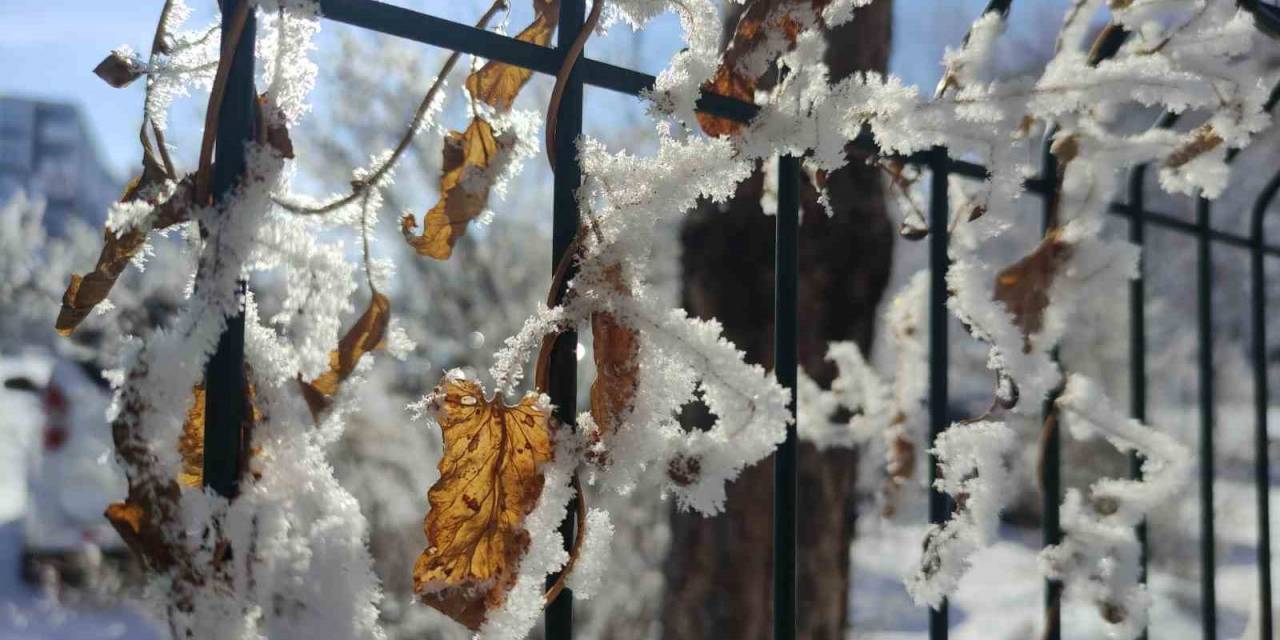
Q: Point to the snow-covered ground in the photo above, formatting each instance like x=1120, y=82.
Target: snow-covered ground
x=1001, y=596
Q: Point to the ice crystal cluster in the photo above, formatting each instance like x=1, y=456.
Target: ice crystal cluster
x=298, y=567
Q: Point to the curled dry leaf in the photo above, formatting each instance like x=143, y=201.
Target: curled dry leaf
x=616, y=347
x=1023, y=287
x=86, y=292
x=470, y=156
x=490, y=480
x=368, y=333
x=1199, y=141
x=469, y=159
x=749, y=52
x=191, y=442
x=272, y=129
x=118, y=69
x=497, y=83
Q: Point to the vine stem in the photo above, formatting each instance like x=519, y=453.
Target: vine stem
x=562, y=77
x=559, y=584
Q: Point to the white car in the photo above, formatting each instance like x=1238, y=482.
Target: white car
x=71, y=474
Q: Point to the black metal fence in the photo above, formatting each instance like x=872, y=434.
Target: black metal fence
x=224, y=441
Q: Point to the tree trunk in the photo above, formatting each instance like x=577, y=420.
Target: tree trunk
x=719, y=571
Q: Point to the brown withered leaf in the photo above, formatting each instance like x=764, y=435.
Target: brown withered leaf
x=616, y=347
x=368, y=333
x=1023, y=286
x=118, y=70
x=86, y=292
x=497, y=83
x=1199, y=141
x=490, y=479
x=272, y=129
x=758, y=23
x=464, y=189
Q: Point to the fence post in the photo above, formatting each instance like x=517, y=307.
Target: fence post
x=1261, y=466
x=563, y=380
x=785, y=287
x=1051, y=462
x=1204, y=303
x=225, y=407
x=939, y=358
x=1138, y=344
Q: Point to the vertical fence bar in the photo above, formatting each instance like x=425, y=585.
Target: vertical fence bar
x=939, y=213
x=786, y=276
x=1138, y=342
x=1261, y=463
x=1204, y=300
x=1051, y=463
x=563, y=380
x=225, y=384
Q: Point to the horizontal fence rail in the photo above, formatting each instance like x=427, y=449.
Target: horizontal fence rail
x=224, y=442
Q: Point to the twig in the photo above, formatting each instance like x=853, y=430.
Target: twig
x=157, y=43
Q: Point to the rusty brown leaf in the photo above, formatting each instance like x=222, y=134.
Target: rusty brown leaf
x=464, y=189
x=118, y=70
x=490, y=479
x=616, y=348
x=734, y=84
x=368, y=333
x=760, y=20
x=1023, y=287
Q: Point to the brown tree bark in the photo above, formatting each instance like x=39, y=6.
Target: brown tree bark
x=719, y=571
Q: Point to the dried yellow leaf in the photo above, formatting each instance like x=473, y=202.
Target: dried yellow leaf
x=498, y=83
x=464, y=189
x=191, y=442
x=490, y=479
x=368, y=333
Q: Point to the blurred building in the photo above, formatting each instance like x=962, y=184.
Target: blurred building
x=48, y=151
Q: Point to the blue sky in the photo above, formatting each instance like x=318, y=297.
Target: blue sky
x=49, y=48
